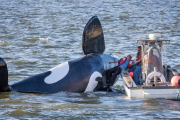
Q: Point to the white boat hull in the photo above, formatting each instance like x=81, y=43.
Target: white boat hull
x=149, y=92
x=152, y=93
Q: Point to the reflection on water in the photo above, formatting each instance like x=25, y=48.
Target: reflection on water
x=38, y=35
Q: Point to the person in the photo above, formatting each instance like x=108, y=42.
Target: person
x=152, y=62
x=112, y=73
x=137, y=67
x=139, y=56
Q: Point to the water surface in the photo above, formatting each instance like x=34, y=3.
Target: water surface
x=38, y=35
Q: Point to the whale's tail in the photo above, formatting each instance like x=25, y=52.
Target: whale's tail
x=3, y=76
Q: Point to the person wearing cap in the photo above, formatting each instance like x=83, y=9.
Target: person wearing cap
x=123, y=63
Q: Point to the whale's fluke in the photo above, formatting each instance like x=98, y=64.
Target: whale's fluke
x=93, y=37
x=3, y=76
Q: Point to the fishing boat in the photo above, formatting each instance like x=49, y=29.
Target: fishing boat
x=157, y=80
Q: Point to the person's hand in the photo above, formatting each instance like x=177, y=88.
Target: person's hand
x=135, y=62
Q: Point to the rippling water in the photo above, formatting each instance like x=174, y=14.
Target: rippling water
x=36, y=35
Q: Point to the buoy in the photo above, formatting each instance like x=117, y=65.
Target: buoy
x=175, y=81
x=155, y=74
x=131, y=74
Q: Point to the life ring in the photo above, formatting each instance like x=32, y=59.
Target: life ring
x=155, y=74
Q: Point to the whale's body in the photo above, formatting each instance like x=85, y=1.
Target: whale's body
x=84, y=74
x=80, y=75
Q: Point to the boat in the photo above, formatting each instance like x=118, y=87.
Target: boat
x=157, y=80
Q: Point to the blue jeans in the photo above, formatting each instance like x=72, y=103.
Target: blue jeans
x=137, y=71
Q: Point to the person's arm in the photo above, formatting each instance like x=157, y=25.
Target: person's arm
x=116, y=61
x=137, y=61
x=113, y=62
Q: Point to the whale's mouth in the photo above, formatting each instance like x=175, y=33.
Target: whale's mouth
x=93, y=37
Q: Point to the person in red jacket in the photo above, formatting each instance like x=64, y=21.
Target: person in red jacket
x=137, y=67
x=139, y=56
x=112, y=73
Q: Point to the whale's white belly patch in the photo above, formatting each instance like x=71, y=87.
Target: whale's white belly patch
x=92, y=82
x=57, y=73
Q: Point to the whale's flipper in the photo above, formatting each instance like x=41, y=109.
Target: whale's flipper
x=93, y=37
x=3, y=76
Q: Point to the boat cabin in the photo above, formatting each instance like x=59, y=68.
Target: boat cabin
x=152, y=57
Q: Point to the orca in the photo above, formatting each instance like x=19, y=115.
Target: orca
x=85, y=74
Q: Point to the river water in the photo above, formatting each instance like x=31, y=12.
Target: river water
x=36, y=35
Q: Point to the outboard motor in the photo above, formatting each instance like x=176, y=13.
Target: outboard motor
x=3, y=76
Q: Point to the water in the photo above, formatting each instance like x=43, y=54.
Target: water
x=38, y=35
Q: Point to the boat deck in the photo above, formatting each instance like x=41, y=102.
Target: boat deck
x=154, y=87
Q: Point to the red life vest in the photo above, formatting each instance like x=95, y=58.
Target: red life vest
x=123, y=60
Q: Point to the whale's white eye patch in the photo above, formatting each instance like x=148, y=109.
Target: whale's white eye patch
x=57, y=73
x=92, y=82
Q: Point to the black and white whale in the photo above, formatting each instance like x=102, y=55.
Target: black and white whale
x=84, y=74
